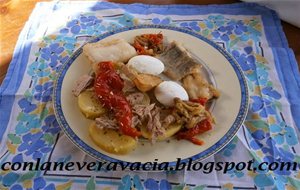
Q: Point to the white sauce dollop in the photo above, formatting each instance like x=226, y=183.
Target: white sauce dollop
x=166, y=91
x=146, y=64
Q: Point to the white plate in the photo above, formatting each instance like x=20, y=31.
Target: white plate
x=229, y=110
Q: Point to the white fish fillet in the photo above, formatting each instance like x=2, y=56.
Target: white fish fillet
x=116, y=50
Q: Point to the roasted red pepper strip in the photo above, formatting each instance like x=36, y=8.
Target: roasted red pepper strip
x=139, y=48
x=201, y=127
x=154, y=38
x=108, y=88
x=201, y=101
x=196, y=141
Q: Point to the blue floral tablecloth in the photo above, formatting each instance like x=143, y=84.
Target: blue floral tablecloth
x=251, y=33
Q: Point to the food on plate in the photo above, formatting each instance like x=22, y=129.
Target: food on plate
x=198, y=87
x=108, y=88
x=190, y=113
x=118, y=65
x=148, y=44
x=90, y=105
x=81, y=84
x=169, y=132
x=116, y=50
x=178, y=62
x=189, y=134
x=138, y=98
x=128, y=72
x=111, y=140
x=146, y=64
x=148, y=115
x=106, y=122
x=166, y=91
x=146, y=82
x=156, y=95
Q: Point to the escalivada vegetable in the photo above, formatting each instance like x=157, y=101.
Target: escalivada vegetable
x=201, y=101
x=148, y=44
x=190, y=134
x=108, y=88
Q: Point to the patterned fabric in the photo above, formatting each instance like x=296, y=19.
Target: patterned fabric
x=251, y=33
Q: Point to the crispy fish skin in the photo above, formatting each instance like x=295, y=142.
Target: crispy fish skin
x=178, y=62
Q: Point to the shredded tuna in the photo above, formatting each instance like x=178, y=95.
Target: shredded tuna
x=154, y=125
x=135, y=98
x=150, y=124
x=81, y=84
x=149, y=114
x=106, y=122
x=169, y=119
x=129, y=85
x=136, y=121
x=142, y=110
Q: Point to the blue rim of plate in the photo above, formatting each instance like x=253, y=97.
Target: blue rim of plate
x=198, y=157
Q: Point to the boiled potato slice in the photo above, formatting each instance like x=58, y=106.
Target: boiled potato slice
x=89, y=105
x=111, y=140
x=170, y=131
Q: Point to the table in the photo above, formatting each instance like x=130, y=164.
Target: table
x=14, y=14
